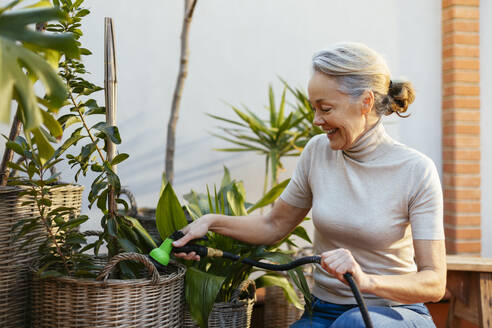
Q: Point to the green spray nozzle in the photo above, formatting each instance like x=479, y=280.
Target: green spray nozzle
x=162, y=254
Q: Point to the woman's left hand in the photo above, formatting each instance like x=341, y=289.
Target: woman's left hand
x=340, y=261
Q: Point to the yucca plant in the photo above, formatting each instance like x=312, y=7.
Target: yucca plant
x=274, y=138
x=306, y=128
x=214, y=279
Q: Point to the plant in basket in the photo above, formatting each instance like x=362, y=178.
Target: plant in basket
x=212, y=283
x=64, y=291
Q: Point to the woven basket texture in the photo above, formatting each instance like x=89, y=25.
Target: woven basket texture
x=278, y=312
x=14, y=262
x=156, y=301
x=234, y=314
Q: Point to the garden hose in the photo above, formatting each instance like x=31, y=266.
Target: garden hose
x=160, y=256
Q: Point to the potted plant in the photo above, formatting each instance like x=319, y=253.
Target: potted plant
x=63, y=278
x=26, y=56
x=213, y=285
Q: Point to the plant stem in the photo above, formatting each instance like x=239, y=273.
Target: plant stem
x=183, y=72
x=8, y=154
x=82, y=118
x=44, y=220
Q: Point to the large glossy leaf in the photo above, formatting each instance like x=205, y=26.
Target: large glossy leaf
x=169, y=214
x=14, y=59
x=236, y=201
x=275, y=279
x=137, y=226
x=270, y=196
x=201, y=291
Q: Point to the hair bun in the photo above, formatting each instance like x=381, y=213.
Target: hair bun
x=401, y=94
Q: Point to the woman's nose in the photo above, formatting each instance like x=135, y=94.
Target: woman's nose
x=318, y=120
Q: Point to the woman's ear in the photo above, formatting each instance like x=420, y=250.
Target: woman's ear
x=367, y=101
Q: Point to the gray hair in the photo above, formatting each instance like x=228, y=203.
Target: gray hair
x=358, y=68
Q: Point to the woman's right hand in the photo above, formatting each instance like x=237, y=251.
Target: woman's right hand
x=194, y=230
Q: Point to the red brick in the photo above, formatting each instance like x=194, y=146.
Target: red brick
x=460, y=76
x=461, y=141
x=461, y=38
x=462, y=207
x=448, y=3
x=461, y=168
x=462, y=233
x=460, y=102
x=459, y=115
x=462, y=194
x=461, y=51
x=461, y=90
x=461, y=155
x=470, y=129
x=457, y=247
x=467, y=12
x=461, y=180
x=460, y=63
x=456, y=25
x=462, y=220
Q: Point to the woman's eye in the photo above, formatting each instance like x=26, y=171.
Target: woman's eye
x=325, y=109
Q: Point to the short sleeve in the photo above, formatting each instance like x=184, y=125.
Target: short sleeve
x=426, y=205
x=298, y=191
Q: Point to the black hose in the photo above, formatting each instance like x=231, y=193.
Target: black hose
x=202, y=251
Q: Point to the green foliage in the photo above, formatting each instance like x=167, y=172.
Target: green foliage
x=120, y=233
x=280, y=136
x=220, y=277
x=23, y=49
x=63, y=246
x=306, y=128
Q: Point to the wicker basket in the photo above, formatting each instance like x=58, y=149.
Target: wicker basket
x=14, y=288
x=76, y=302
x=278, y=312
x=234, y=314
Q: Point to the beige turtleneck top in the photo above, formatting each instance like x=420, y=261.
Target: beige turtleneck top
x=372, y=199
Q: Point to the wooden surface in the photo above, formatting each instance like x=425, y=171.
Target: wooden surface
x=468, y=263
x=470, y=282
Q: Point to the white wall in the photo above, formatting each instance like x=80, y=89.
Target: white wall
x=485, y=121
x=237, y=49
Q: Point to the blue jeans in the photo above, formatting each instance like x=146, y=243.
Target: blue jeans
x=326, y=314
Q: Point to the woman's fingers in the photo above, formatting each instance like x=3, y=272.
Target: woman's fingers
x=338, y=262
x=190, y=256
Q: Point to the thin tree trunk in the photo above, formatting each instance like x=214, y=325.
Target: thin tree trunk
x=183, y=72
x=8, y=154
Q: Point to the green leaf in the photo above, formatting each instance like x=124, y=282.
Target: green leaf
x=270, y=196
x=137, y=226
x=13, y=26
x=15, y=147
x=169, y=215
x=236, y=201
x=275, y=279
x=46, y=151
x=15, y=59
x=119, y=158
x=302, y=233
x=128, y=246
x=109, y=131
x=52, y=124
x=74, y=222
x=201, y=290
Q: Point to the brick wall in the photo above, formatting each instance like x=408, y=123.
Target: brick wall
x=461, y=125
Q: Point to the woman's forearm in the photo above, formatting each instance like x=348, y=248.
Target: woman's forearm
x=423, y=286
x=252, y=229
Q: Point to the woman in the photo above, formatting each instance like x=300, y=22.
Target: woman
x=376, y=203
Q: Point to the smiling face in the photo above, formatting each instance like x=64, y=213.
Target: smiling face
x=342, y=118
